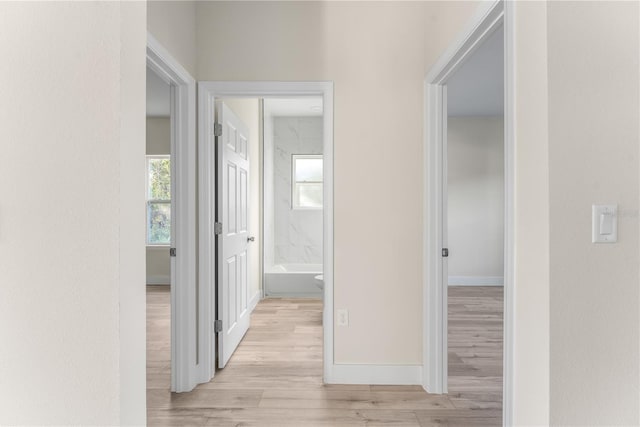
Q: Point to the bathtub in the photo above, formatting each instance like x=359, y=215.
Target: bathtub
x=292, y=280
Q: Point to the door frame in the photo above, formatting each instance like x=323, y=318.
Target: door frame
x=208, y=91
x=183, y=158
x=487, y=19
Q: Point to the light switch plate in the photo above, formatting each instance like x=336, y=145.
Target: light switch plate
x=604, y=223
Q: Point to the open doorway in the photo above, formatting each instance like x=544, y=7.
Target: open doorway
x=474, y=224
x=306, y=192
x=478, y=69
x=158, y=219
x=269, y=211
x=170, y=217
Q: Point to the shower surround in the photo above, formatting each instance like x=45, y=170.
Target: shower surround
x=293, y=237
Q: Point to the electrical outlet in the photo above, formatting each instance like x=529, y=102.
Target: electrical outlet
x=343, y=317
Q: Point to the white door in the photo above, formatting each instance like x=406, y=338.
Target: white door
x=232, y=211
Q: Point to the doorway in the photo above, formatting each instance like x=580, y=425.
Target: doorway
x=160, y=230
x=209, y=95
x=171, y=223
x=269, y=207
x=493, y=20
x=473, y=224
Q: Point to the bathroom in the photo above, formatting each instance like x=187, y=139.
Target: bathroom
x=293, y=197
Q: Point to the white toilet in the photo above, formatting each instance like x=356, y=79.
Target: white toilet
x=319, y=281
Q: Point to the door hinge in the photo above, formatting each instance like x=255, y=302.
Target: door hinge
x=445, y=252
x=217, y=228
x=172, y=252
x=217, y=325
x=217, y=129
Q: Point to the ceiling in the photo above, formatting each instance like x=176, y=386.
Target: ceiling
x=477, y=87
x=293, y=107
x=158, y=96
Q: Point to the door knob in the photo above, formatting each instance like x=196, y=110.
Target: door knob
x=251, y=239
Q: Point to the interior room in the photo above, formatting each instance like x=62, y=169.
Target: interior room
x=73, y=198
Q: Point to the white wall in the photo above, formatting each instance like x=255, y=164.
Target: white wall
x=531, y=269
x=475, y=162
x=374, y=52
x=249, y=111
x=593, y=159
x=297, y=232
x=158, y=265
x=158, y=143
x=158, y=140
x=132, y=301
x=268, y=187
x=576, y=318
x=67, y=245
x=173, y=24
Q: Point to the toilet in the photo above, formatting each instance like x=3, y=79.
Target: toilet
x=319, y=279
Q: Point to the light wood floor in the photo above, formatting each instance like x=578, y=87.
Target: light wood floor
x=275, y=376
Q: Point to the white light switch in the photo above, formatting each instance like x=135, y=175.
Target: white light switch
x=604, y=223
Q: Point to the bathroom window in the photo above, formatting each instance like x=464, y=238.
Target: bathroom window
x=307, y=181
x=158, y=200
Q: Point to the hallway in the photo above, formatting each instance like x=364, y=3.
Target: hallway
x=275, y=376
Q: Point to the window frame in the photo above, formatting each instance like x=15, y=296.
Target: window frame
x=149, y=201
x=294, y=182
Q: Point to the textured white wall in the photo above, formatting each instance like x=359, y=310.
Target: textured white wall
x=475, y=165
x=173, y=24
x=132, y=302
x=66, y=128
x=593, y=159
x=531, y=308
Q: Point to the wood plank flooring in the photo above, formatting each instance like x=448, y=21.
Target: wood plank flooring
x=275, y=376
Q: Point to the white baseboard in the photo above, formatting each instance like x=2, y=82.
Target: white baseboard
x=158, y=280
x=255, y=300
x=476, y=281
x=375, y=374
x=317, y=294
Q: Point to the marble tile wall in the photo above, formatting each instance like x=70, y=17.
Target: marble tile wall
x=297, y=232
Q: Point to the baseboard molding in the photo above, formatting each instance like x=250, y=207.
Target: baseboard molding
x=158, y=280
x=476, y=281
x=375, y=374
x=254, y=300
x=317, y=294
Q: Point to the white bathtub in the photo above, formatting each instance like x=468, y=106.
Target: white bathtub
x=292, y=280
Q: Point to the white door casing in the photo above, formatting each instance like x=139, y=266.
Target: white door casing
x=232, y=148
x=208, y=92
x=444, y=296
x=184, y=362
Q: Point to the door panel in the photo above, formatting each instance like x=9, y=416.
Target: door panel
x=233, y=213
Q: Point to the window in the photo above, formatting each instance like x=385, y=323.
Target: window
x=158, y=200
x=307, y=182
